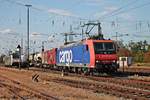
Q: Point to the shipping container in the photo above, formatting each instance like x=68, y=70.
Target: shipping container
x=51, y=56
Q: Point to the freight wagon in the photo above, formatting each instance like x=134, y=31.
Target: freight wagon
x=15, y=59
x=49, y=58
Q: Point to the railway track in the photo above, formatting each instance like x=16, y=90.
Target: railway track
x=118, y=86
x=108, y=88
x=109, y=79
x=141, y=71
x=12, y=90
x=12, y=86
x=123, y=81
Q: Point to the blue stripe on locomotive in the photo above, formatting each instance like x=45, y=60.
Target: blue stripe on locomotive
x=73, y=55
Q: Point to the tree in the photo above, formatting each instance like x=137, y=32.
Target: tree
x=124, y=52
x=139, y=49
x=147, y=57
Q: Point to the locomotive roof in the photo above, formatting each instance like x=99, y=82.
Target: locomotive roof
x=83, y=41
x=72, y=44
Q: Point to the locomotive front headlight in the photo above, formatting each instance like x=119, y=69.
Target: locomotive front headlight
x=114, y=61
x=97, y=61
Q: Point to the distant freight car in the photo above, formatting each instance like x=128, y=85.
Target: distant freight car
x=49, y=58
x=35, y=59
x=15, y=59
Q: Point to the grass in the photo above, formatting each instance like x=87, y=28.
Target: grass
x=142, y=64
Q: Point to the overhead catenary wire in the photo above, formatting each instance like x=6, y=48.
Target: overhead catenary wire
x=116, y=10
x=130, y=9
x=107, y=15
x=44, y=10
x=18, y=3
x=77, y=3
x=141, y=36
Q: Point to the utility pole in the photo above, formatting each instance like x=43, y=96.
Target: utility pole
x=22, y=45
x=71, y=33
x=82, y=33
x=28, y=20
x=66, y=35
x=66, y=41
x=116, y=36
x=99, y=28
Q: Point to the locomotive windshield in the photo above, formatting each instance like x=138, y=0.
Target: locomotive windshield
x=104, y=48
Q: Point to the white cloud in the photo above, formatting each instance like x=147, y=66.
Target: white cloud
x=35, y=34
x=111, y=8
x=126, y=16
x=100, y=14
x=8, y=31
x=60, y=12
x=4, y=31
x=92, y=2
x=54, y=10
x=106, y=11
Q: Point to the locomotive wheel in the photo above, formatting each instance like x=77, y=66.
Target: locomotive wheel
x=91, y=72
x=80, y=70
x=76, y=70
x=71, y=69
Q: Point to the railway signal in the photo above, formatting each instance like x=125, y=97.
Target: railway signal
x=19, y=48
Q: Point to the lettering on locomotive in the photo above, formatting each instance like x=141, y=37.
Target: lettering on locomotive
x=65, y=56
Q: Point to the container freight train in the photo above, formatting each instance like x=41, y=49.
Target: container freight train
x=86, y=56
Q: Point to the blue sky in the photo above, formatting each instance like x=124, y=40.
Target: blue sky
x=50, y=18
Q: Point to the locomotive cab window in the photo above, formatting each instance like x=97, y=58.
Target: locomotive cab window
x=104, y=48
x=109, y=46
x=98, y=47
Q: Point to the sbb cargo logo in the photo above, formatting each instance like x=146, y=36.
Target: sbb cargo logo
x=65, y=56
